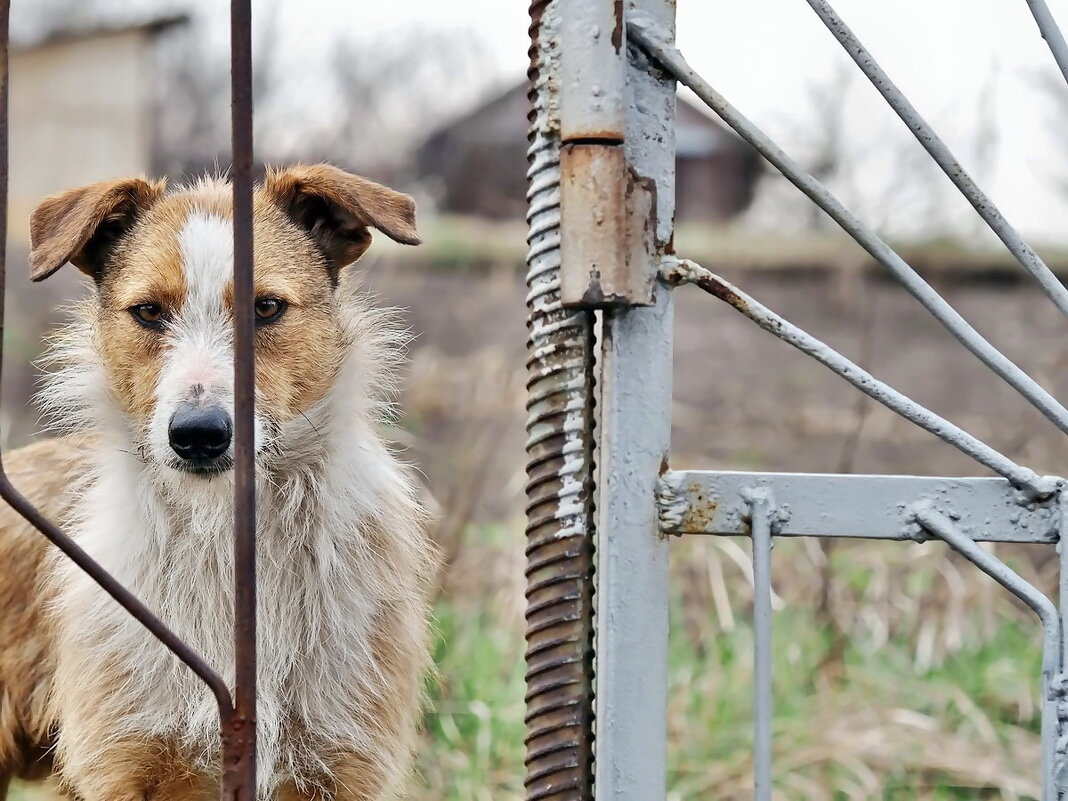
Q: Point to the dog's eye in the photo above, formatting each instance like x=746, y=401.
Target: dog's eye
x=149, y=314
x=268, y=309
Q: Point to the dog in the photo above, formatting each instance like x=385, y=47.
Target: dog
x=140, y=386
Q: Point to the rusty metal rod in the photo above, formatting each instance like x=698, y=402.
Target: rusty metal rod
x=239, y=739
x=559, y=720
x=17, y=501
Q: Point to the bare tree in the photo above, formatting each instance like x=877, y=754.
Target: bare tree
x=193, y=112
x=363, y=104
x=388, y=96
x=820, y=141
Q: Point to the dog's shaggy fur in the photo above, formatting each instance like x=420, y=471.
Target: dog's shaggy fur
x=344, y=565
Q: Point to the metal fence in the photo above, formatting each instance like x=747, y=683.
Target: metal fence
x=603, y=501
x=236, y=713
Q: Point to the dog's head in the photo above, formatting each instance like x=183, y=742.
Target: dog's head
x=162, y=266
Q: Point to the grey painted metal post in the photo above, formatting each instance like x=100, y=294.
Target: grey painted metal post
x=762, y=512
x=1060, y=686
x=634, y=437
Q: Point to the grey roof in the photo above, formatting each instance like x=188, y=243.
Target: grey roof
x=90, y=26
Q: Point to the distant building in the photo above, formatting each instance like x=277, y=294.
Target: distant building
x=82, y=110
x=477, y=164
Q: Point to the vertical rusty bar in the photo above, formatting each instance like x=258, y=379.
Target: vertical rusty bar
x=559, y=698
x=239, y=742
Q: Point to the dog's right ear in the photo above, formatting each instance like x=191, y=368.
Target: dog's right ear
x=82, y=225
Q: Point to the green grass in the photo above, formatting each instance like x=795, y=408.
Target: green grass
x=856, y=717
x=865, y=706
x=879, y=730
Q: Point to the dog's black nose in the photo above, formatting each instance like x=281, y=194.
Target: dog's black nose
x=200, y=434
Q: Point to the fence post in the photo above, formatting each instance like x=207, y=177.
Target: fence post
x=634, y=437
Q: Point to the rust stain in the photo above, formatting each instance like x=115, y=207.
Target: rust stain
x=664, y=467
x=638, y=185
x=617, y=31
x=700, y=514
x=722, y=291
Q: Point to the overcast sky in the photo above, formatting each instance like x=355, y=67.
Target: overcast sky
x=972, y=67
x=960, y=61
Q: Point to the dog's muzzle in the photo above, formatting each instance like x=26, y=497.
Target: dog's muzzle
x=201, y=436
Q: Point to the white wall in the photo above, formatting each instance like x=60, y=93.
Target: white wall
x=80, y=112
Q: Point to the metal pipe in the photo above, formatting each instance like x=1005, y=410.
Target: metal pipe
x=672, y=60
x=1051, y=33
x=1060, y=754
x=633, y=443
x=559, y=720
x=682, y=271
x=239, y=738
x=593, y=60
x=943, y=528
x=926, y=136
x=761, y=507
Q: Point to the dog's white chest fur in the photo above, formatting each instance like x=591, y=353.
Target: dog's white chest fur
x=176, y=555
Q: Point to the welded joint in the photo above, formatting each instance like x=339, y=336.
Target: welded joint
x=1034, y=505
x=671, y=504
x=676, y=272
x=1058, y=693
x=755, y=496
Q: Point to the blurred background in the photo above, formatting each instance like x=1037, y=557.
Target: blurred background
x=900, y=672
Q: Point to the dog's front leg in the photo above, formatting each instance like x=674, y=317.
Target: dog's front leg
x=130, y=769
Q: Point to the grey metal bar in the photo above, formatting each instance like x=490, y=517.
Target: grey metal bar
x=669, y=57
x=1051, y=33
x=943, y=528
x=1060, y=755
x=593, y=60
x=761, y=505
x=681, y=271
x=593, y=265
x=931, y=142
x=634, y=435
x=709, y=502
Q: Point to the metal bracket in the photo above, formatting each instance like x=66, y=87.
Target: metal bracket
x=866, y=507
x=608, y=214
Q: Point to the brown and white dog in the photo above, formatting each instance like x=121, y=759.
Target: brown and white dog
x=141, y=383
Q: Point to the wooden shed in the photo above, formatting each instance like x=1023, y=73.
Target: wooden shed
x=476, y=165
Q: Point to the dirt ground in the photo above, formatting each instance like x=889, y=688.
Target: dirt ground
x=743, y=399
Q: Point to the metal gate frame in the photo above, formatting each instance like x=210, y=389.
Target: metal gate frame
x=602, y=499
x=237, y=715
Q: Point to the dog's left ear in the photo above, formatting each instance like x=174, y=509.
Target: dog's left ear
x=337, y=208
